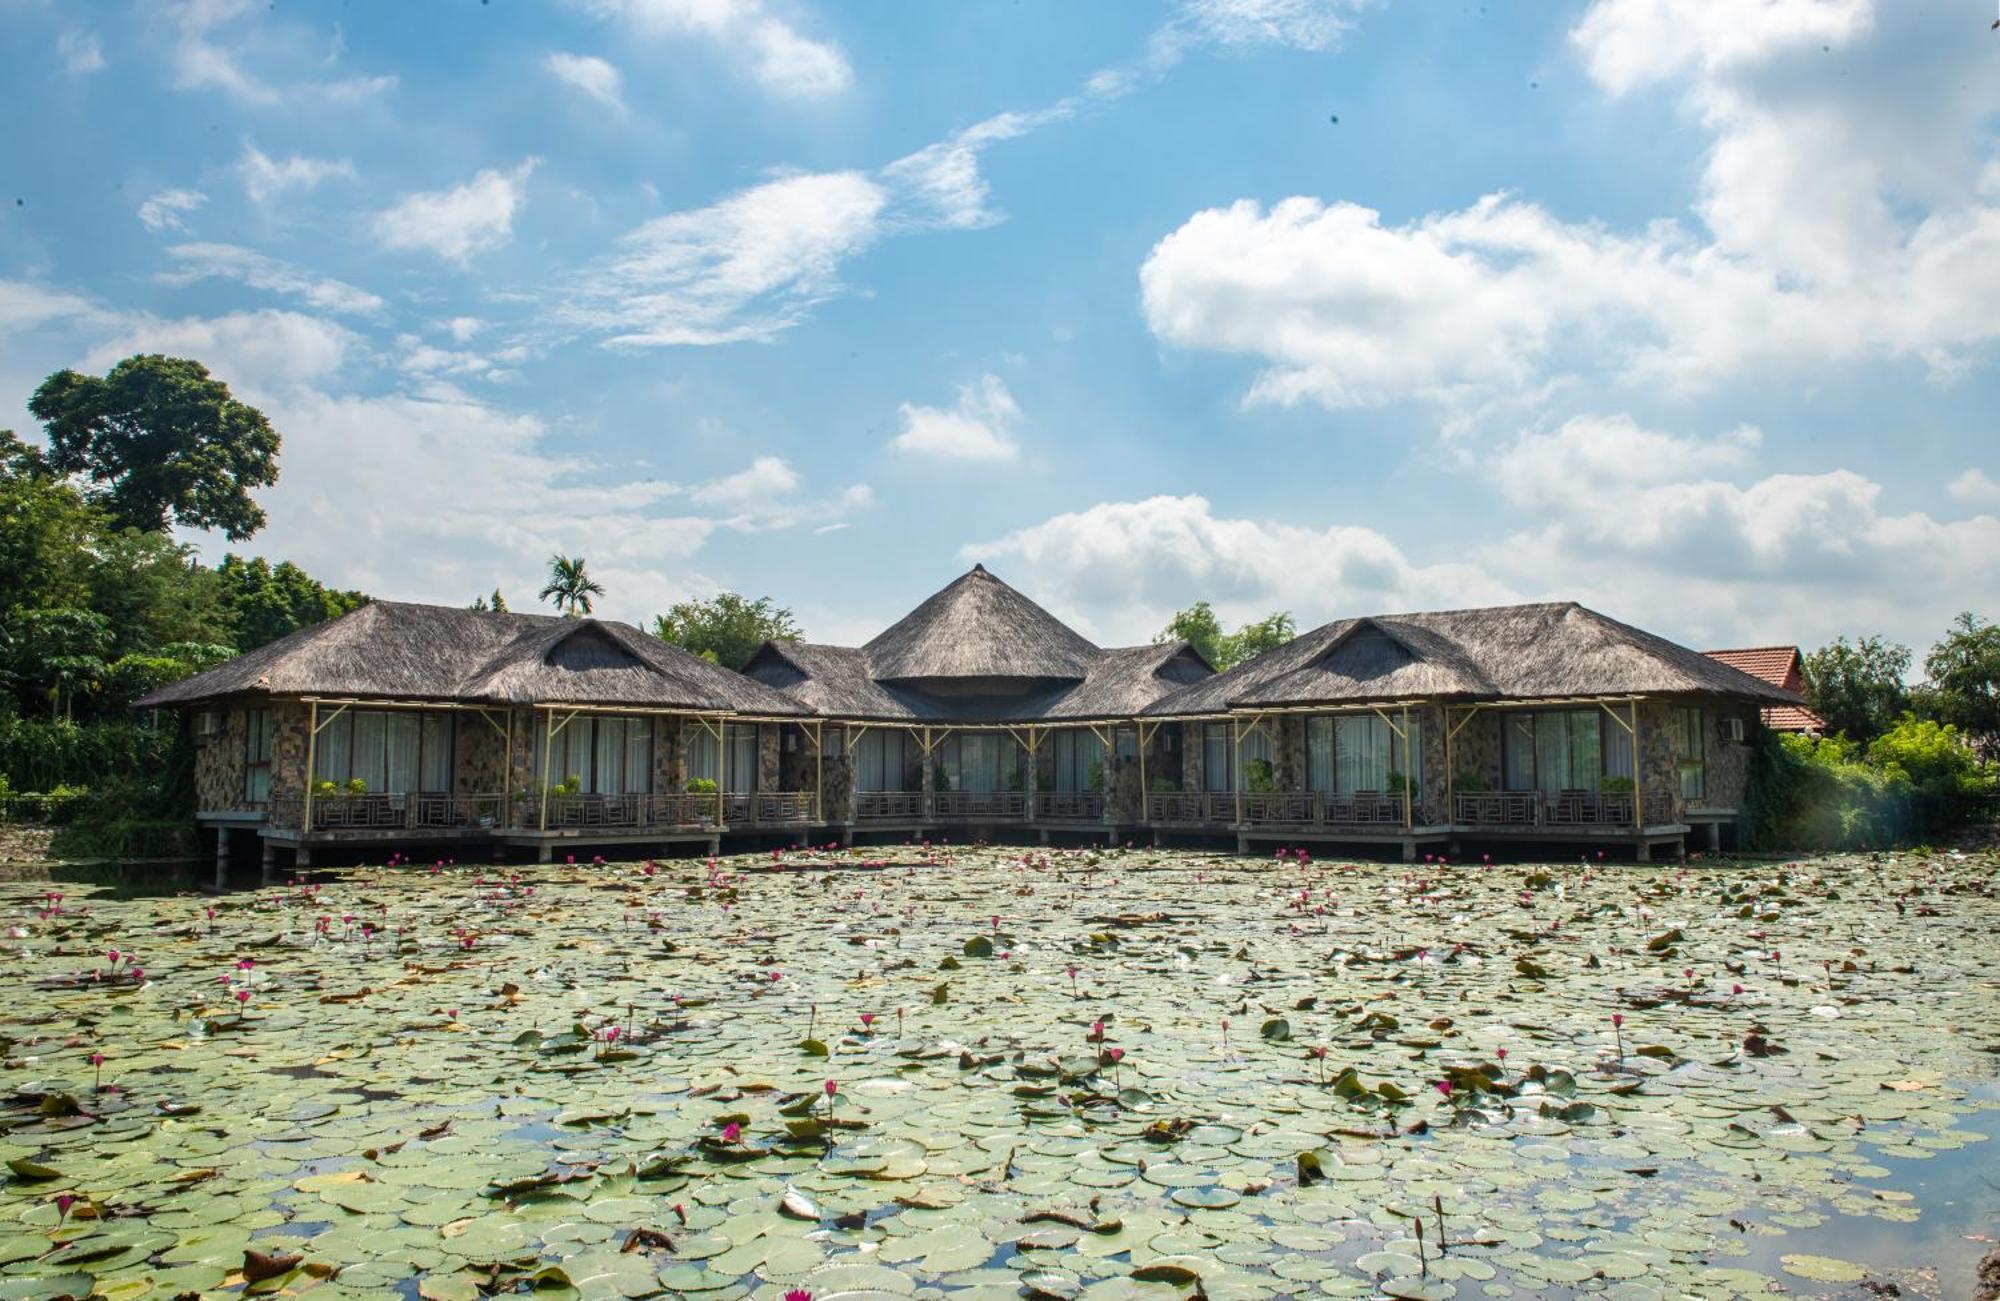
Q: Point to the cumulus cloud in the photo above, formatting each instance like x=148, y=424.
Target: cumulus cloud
x=588, y=75
x=1848, y=209
x=215, y=43
x=1975, y=488
x=458, y=223
x=265, y=351
x=750, y=34
x=744, y=268
x=979, y=428
x=165, y=210
x=1121, y=568
x=80, y=52
x=259, y=271
x=266, y=178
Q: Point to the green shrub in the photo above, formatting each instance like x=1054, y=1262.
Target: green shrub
x=1818, y=792
x=1934, y=757
x=1259, y=776
x=700, y=786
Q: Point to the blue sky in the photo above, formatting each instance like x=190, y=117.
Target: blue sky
x=1681, y=308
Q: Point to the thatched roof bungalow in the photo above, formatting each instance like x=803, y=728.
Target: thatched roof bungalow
x=979, y=711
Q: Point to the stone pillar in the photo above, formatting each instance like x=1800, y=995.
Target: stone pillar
x=221, y=859
x=270, y=863
x=1031, y=761
x=929, y=783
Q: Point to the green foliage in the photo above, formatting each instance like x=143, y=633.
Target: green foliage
x=570, y=587
x=161, y=441
x=263, y=602
x=1932, y=757
x=1808, y=792
x=38, y=754
x=496, y=603
x=1964, y=673
x=1259, y=776
x=1199, y=627
x=701, y=786
x=1857, y=687
x=726, y=629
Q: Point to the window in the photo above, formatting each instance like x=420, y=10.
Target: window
x=257, y=756
x=1079, y=760
x=699, y=752
x=982, y=762
x=884, y=760
x=739, y=775
x=1556, y=750
x=605, y=754
x=1218, y=770
x=1361, y=754
x=395, y=752
x=1690, y=752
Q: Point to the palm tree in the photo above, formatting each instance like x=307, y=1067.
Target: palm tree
x=569, y=588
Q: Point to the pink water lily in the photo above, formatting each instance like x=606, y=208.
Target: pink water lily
x=731, y=1132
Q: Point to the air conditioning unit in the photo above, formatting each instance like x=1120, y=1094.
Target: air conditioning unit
x=1732, y=728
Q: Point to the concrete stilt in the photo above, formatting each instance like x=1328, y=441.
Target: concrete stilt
x=302, y=858
x=1645, y=849
x=1409, y=851
x=715, y=846
x=1715, y=837
x=544, y=852
x=221, y=859
x=269, y=863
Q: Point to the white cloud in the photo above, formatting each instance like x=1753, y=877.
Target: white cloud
x=164, y=210
x=1588, y=455
x=455, y=224
x=231, y=262
x=80, y=52
x=1849, y=209
x=267, y=351
x=1301, y=24
x=979, y=428
x=750, y=34
x=1121, y=569
x=463, y=328
x=589, y=75
x=767, y=477
x=745, y=268
x=266, y=178
x=214, y=42
x=1975, y=488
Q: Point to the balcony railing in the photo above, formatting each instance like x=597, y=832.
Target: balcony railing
x=1191, y=808
x=1069, y=806
x=1574, y=808
x=386, y=812
x=1318, y=809
x=979, y=806
x=888, y=806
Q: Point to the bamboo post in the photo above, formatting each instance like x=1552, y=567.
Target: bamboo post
x=819, y=772
x=548, y=744
x=312, y=751
x=1236, y=766
x=507, y=774
x=1409, y=811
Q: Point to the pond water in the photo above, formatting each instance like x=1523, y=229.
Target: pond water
x=1052, y=1074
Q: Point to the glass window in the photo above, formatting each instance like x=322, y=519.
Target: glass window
x=257, y=755
x=1079, y=754
x=740, y=775
x=882, y=761
x=390, y=751
x=1690, y=752
x=1319, y=755
x=1218, y=772
x=699, y=750
x=1556, y=750
x=435, y=744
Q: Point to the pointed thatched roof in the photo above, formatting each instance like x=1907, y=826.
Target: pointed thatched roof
x=397, y=650
x=835, y=681
x=978, y=627
x=1512, y=652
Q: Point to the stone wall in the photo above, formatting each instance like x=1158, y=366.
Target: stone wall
x=288, y=749
x=836, y=777
x=1728, y=761
x=1191, y=770
x=218, y=762
x=1288, y=751
x=479, y=754
x=670, y=738
x=769, y=775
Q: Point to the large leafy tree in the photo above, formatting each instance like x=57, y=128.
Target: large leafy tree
x=1964, y=673
x=1858, y=687
x=266, y=601
x=1199, y=626
x=44, y=522
x=726, y=629
x=161, y=441
x=60, y=653
x=570, y=588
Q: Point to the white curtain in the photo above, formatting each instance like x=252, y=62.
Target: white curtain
x=370, y=758
x=1361, y=753
x=400, y=758
x=1218, y=771
x=436, y=741
x=333, y=749
x=638, y=756
x=699, y=751
x=1077, y=751
x=742, y=768
x=1319, y=755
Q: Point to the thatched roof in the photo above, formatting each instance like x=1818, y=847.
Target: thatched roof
x=397, y=650
x=1513, y=652
x=835, y=681
x=978, y=627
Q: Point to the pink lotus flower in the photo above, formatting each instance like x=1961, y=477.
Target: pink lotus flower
x=867, y=1019
x=731, y=1132
x=1115, y=1054
x=831, y=1088
x=1444, y=1087
x=798, y=1294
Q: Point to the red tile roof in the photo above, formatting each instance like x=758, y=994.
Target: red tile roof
x=1779, y=666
